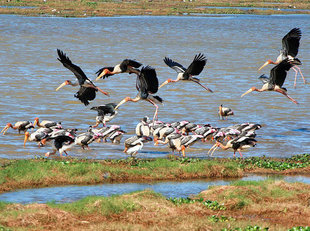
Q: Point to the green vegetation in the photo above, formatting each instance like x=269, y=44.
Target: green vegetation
x=41, y=172
x=300, y=228
x=213, y=205
x=87, y=8
x=248, y=228
x=296, y=161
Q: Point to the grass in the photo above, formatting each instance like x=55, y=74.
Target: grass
x=86, y=8
x=41, y=172
x=262, y=207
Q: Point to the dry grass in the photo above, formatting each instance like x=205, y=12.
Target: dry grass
x=82, y=8
x=151, y=211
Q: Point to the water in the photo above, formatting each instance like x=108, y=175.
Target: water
x=30, y=73
x=168, y=189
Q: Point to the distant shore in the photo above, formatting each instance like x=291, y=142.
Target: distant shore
x=151, y=7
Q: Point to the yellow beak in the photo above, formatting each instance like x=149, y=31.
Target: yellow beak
x=163, y=84
x=26, y=138
x=247, y=92
x=61, y=85
x=265, y=64
x=120, y=103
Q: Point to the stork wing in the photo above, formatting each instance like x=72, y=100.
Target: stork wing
x=264, y=79
x=147, y=81
x=130, y=62
x=196, y=67
x=77, y=71
x=290, y=42
x=174, y=65
x=279, y=72
x=107, y=108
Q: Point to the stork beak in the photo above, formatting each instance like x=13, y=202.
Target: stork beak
x=265, y=64
x=4, y=129
x=163, y=84
x=62, y=85
x=35, y=122
x=102, y=74
x=120, y=103
x=247, y=92
x=26, y=138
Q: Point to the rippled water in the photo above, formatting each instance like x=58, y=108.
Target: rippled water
x=235, y=45
x=168, y=189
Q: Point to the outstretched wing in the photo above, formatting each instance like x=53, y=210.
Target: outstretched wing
x=174, y=65
x=147, y=81
x=290, y=42
x=279, y=72
x=129, y=62
x=77, y=71
x=196, y=67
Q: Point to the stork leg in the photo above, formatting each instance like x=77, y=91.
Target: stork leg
x=234, y=153
x=284, y=93
x=156, y=111
x=299, y=70
x=208, y=89
x=240, y=153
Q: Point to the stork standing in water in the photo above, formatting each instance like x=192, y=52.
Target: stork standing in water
x=225, y=112
x=143, y=128
x=126, y=66
x=134, y=144
x=46, y=123
x=290, y=46
x=195, y=68
x=106, y=113
x=20, y=126
x=87, y=91
x=276, y=80
x=62, y=143
x=236, y=144
x=147, y=85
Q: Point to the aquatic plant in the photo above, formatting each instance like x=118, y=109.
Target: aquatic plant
x=297, y=161
x=213, y=205
x=215, y=218
x=300, y=228
x=248, y=228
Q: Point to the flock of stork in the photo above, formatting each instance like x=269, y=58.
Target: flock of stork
x=176, y=134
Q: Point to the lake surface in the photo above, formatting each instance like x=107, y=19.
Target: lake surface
x=168, y=189
x=235, y=45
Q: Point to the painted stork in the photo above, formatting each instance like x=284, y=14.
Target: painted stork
x=143, y=128
x=134, y=144
x=46, y=123
x=126, y=66
x=147, y=85
x=37, y=136
x=20, y=126
x=195, y=68
x=173, y=140
x=290, y=46
x=225, y=112
x=116, y=136
x=237, y=144
x=187, y=141
x=276, y=80
x=62, y=144
x=106, y=113
x=87, y=91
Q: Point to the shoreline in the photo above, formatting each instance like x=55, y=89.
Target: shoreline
x=37, y=173
x=150, y=8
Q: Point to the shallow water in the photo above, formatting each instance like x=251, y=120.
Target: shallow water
x=168, y=189
x=255, y=8
x=235, y=45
